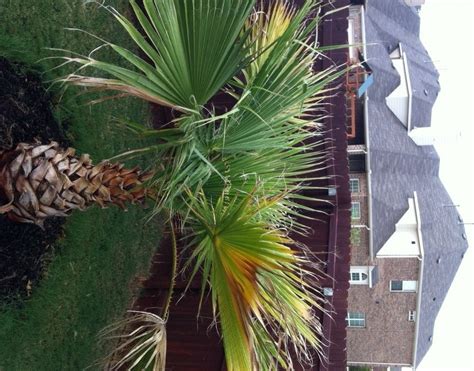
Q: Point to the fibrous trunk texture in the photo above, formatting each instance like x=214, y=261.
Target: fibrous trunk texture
x=39, y=181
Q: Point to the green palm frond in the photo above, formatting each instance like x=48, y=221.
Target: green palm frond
x=193, y=50
x=273, y=136
x=284, y=92
x=257, y=285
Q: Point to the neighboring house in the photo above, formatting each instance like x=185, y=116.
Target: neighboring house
x=407, y=236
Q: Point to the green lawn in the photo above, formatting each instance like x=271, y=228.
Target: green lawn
x=88, y=282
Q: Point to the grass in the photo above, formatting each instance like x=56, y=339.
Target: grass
x=87, y=285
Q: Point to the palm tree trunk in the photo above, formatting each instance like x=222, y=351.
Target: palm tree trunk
x=38, y=181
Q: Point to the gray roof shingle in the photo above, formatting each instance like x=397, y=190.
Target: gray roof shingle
x=400, y=167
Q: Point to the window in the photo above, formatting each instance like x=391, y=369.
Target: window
x=403, y=286
x=355, y=211
x=411, y=315
x=354, y=185
x=359, y=276
x=355, y=319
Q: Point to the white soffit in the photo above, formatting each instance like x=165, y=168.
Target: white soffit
x=399, y=100
x=423, y=136
x=415, y=2
x=397, y=53
x=404, y=241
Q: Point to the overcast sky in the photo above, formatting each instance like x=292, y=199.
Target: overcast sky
x=447, y=33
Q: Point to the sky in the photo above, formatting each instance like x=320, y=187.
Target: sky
x=447, y=33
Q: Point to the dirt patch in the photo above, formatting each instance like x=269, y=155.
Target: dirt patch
x=25, y=116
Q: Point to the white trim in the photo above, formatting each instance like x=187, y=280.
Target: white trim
x=362, y=26
x=371, y=284
x=400, y=63
x=350, y=32
x=356, y=150
x=359, y=270
x=397, y=257
x=362, y=363
x=410, y=92
x=404, y=282
x=360, y=226
x=367, y=144
x=398, y=99
x=420, y=277
x=404, y=240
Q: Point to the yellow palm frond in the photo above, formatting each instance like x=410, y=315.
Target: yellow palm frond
x=258, y=291
x=265, y=29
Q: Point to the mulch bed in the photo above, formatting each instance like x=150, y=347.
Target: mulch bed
x=25, y=116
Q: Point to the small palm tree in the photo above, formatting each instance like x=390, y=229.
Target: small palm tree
x=234, y=181
x=38, y=181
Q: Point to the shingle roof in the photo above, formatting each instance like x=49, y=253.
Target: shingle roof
x=400, y=167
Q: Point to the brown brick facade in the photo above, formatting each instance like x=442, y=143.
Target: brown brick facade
x=388, y=335
x=360, y=234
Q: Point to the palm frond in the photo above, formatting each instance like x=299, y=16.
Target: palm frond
x=141, y=342
x=256, y=279
x=273, y=137
x=285, y=94
x=265, y=29
x=193, y=50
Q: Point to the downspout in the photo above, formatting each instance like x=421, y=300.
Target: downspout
x=420, y=279
x=367, y=145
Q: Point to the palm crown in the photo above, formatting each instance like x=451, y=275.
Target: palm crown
x=234, y=180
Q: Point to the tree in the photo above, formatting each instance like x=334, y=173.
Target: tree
x=234, y=180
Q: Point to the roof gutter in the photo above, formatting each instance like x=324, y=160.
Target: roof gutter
x=420, y=278
x=378, y=364
x=409, y=88
x=367, y=144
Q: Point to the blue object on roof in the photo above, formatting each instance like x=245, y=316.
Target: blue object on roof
x=363, y=88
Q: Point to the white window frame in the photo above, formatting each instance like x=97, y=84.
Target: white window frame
x=355, y=203
x=407, y=286
x=357, y=272
x=354, y=320
x=352, y=182
x=412, y=315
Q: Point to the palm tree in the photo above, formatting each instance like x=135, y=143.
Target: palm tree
x=38, y=181
x=233, y=180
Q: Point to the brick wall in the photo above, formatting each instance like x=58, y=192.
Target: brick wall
x=360, y=235
x=388, y=335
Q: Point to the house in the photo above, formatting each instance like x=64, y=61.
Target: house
x=407, y=238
